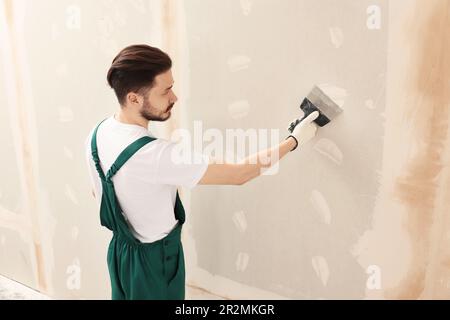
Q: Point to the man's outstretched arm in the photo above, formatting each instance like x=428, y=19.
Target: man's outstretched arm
x=252, y=167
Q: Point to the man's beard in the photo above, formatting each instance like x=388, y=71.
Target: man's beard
x=146, y=112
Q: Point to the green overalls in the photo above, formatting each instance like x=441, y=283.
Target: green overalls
x=139, y=270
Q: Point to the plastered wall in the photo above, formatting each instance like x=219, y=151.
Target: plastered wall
x=291, y=234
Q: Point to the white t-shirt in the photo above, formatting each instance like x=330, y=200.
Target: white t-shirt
x=146, y=185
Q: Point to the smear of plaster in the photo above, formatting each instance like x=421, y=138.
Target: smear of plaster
x=74, y=232
x=329, y=149
x=242, y=261
x=238, y=62
x=370, y=104
x=240, y=221
x=320, y=204
x=3, y=240
x=71, y=194
x=337, y=37
x=246, y=6
x=239, y=109
x=68, y=153
x=337, y=94
x=16, y=222
x=320, y=266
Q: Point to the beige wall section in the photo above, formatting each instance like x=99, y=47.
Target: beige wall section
x=54, y=88
x=366, y=198
x=410, y=236
x=27, y=220
x=289, y=235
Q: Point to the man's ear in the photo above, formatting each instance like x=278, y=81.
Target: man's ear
x=134, y=98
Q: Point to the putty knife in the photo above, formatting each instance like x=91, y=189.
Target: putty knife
x=317, y=100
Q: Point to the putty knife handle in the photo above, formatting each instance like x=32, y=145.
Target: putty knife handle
x=295, y=123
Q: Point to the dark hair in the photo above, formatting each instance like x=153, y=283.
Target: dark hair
x=135, y=69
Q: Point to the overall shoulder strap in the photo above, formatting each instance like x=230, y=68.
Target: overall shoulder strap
x=94, y=152
x=127, y=154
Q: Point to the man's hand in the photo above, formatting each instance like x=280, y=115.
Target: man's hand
x=304, y=130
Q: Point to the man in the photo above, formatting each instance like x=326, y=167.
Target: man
x=135, y=178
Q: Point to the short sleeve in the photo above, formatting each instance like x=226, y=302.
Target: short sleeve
x=178, y=165
x=95, y=182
